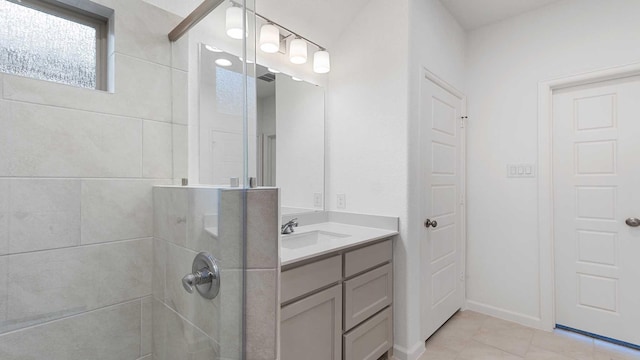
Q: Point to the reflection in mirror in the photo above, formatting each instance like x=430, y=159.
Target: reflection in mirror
x=286, y=120
x=220, y=119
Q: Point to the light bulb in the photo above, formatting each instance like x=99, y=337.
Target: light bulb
x=234, y=23
x=223, y=62
x=295, y=78
x=298, y=51
x=321, y=62
x=272, y=70
x=269, y=39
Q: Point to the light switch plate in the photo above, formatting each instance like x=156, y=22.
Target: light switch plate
x=342, y=201
x=521, y=170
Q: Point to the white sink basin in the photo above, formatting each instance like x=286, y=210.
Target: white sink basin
x=310, y=238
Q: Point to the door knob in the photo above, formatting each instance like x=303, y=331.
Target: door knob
x=205, y=276
x=633, y=222
x=430, y=223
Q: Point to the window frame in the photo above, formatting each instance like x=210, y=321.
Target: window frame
x=83, y=17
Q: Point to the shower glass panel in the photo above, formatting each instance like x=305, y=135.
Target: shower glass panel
x=226, y=100
x=209, y=215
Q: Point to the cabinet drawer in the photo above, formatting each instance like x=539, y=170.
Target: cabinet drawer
x=307, y=278
x=367, y=294
x=366, y=258
x=371, y=339
x=311, y=328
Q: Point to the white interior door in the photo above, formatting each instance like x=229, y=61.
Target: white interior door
x=442, y=151
x=596, y=169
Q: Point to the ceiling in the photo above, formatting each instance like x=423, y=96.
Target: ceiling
x=322, y=21
x=472, y=14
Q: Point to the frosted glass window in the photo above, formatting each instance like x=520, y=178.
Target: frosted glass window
x=40, y=43
x=229, y=91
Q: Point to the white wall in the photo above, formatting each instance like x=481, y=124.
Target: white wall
x=299, y=142
x=505, y=63
x=437, y=43
x=371, y=102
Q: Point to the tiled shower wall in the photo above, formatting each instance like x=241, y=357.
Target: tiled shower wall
x=77, y=168
x=188, y=220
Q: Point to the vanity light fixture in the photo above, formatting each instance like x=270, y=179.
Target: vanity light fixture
x=223, y=62
x=269, y=38
x=274, y=71
x=298, y=51
x=233, y=23
x=321, y=62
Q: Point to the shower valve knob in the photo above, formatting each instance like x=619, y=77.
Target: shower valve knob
x=188, y=282
x=205, y=276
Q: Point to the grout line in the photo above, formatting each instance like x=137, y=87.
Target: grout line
x=83, y=110
x=78, y=246
x=190, y=323
x=27, y=178
x=117, y=52
x=6, y=259
x=172, y=93
x=141, y=323
x=125, y=302
x=142, y=149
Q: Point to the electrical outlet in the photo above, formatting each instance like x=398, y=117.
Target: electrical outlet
x=317, y=200
x=342, y=201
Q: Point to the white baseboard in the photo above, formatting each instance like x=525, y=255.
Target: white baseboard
x=401, y=353
x=522, y=319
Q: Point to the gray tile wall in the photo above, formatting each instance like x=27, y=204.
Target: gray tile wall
x=77, y=168
x=190, y=220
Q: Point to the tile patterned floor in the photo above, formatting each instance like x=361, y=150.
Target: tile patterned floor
x=473, y=336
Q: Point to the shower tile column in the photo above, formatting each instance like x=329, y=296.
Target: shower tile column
x=188, y=220
x=263, y=253
x=261, y=264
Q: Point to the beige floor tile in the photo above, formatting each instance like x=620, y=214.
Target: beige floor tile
x=571, y=345
x=614, y=352
x=438, y=352
x=452, y=339
x=536, y=353
x=478, y=351
x=458, y=331
x=505, y=335
x=473, y=336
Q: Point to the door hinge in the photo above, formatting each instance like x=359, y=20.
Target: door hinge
x=463, y=120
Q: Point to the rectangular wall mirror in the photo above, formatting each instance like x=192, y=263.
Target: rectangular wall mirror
x=286, y=131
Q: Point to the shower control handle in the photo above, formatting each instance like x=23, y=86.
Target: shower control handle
x=204, y=277
x=200, y=277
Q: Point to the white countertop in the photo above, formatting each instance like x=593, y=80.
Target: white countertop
x=357, y=235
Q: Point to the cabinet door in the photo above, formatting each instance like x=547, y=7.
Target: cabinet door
x=371, y=339
x=311, y=328
x=367, y=294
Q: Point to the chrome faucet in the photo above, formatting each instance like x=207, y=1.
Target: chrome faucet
x=288, y=227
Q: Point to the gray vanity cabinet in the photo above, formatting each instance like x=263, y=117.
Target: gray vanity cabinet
x=338, y=307
x=311, y=328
